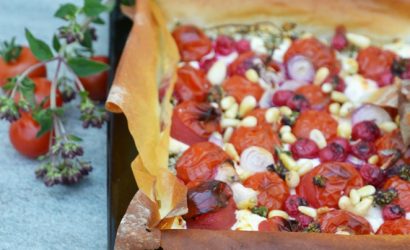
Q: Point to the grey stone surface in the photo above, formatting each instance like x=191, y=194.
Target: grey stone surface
x=33, y=216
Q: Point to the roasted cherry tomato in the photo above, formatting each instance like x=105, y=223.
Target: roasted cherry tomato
x=399, y=226
x=403, y=189
x=317, y=52
x=240, y=87
x=96, y=85
x=326, y=183
x=223, y=219
x=241, y=64
x=23, y=136
x=261, y=136
x=273, y=191
x=259, y=114
x=314, y=94
x=274, y=224
x=194, y=121
x=191, y=85
x=19, y=65
x=341, y=220
x=42, y=92
x=200, y=162
x=375, y=64
x=192, y=43
x=389, y=141
x=312, y=119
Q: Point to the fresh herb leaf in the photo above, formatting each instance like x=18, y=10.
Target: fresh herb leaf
x=74, y=138
x=56, y=44
x=93, y=8
x=39, y=48
x=98, y=20
x=261, y=211
x=66, y=11
x=26, y=89
x=319, y=181
x=44, y=117
x=87, y=40
x=84, y=67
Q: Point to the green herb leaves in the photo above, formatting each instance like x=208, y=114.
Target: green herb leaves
x=83, y=67
x=9, y=51
x=66, y=11
x=39, y=48
x=93, y=8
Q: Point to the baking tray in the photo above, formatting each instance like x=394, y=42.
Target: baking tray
x=121, y=150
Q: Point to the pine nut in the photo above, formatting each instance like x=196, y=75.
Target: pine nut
x=231, y=151
x=272, y=115
x=334, y=108
x=292, y=179
x=344, y=130
x=352, y=66
x=287, y=161
x=341, y=232
x=322, y=210
x=278, y=213
x=344, y=203
x=367, y=190
x=217, y=73
x=286, y=111
x=249, y=121
x=321, y=74
x=227, y=102
x=232, y=112
x=288, y=137
x=285, y=129
x=363, y=207
x=228, y=122
x=338, y=97
x=354, y=196
x=388, y=127
x=309, y=211
x=227, y=134
x=374, y=159
x=318, y=137
x=252, y=75
x=304, y=166
x=345, y=109
x=248, y=103
x=358, y=40
x=327, y=88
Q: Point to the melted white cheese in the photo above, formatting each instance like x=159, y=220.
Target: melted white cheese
x=176, y=147
x=358, y=89
x=279, y=53
x=408, y=216
x=375, y=218
x=247, y=221
x=400, y=48
x=258, y=45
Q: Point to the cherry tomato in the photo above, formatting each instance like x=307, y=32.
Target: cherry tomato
x=314, y=94
x=18, y=66
x=337, y=178
x=194, y=121
x=274, y=224
x=375, y=64
x=191, y=84
x=259, y=114
x=200, y=162
x=336, y=220
x=222, y=219
x=42, y=91
x=312, y=119
x=241, y=64
x=97, y=84
x=388, y=141
x=192, y=43
x=403, y=189
x=317, y=52
x=240, y=87
x=393, y=227
x=261, y=136
x=273, y=191
x=23, y=136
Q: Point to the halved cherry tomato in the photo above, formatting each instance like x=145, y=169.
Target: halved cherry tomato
x=273, y=191
x=240, y=87
x=317, y=52
x=192, y=42
x=42, y=91
x=341, y=220
x=312, y=119
x=200, y=162
x=375, y=64
x=261, y=136
x=18, y=66
x=222, y=219
x=337, y=178
x=393, y=227
x=403, y=189
x=23, y=136
x=191, y=84
x=274, y=224
x=96, y=85
x=241, y=64
x=314, y=94
x=388, y=141
x=194, y=122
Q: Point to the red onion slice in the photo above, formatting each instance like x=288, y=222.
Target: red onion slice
x=291, y=85
x=299, y=68
x=216, y=138
x=266, y=99
x=355, y=161
x=370, y=112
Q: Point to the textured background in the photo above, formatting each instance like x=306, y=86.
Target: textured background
x=33, y=216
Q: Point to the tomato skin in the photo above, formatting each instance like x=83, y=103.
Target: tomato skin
x=344, y=220
x=240, y=87
x=189, y=124
x=42, y=92
x=192, y=42
x=317, y=52
x=23, y=136
x=241, y=64
x=375, y=63
x=312, y=119
x=191, y=85
x=25, y=60
x=274, y=224
x=222, y=219
x=394, y=227
x=403, y=189
x=314, y=94
x=97, y=84
x=392, y=140
x=200, y=162
x=340, y=177
x=273, y=191
x=261, y=136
